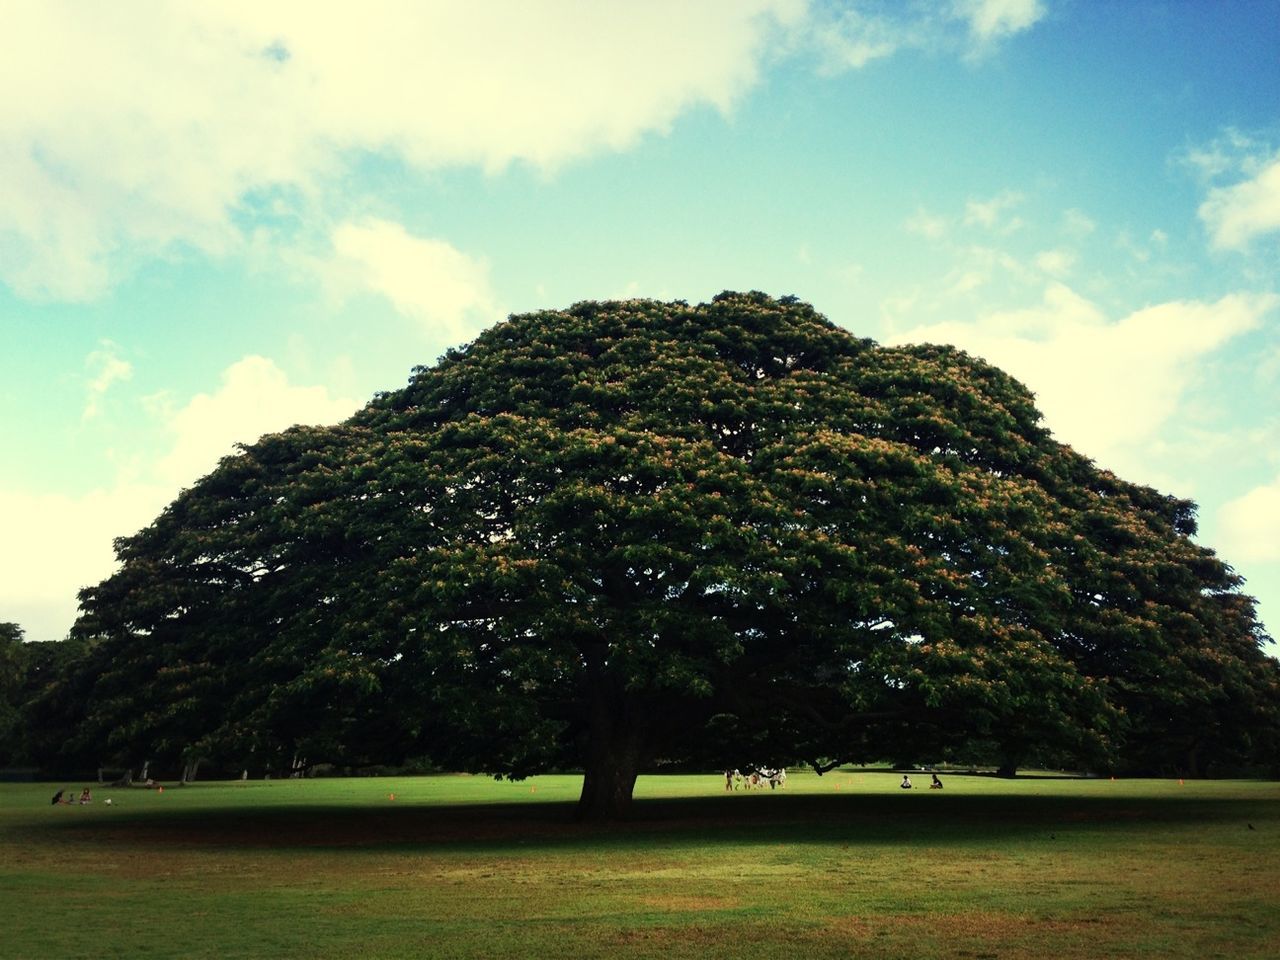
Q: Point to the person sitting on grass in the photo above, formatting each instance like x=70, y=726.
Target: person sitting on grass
x=86, y=796
x=936, y=784
x=906, y=782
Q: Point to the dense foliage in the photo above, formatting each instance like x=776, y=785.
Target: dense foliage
x=635, y=532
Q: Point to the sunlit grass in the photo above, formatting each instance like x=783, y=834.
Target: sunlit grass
x=458, y=866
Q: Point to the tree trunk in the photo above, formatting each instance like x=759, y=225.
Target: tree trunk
x=1193, y=760
x=1013, y=753
x=613, y=753
x=607, y=784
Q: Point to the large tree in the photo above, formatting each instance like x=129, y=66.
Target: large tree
x=631, y=532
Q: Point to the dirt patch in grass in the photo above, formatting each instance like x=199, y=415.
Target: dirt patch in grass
x=657, y=937
x=1005, y=926
x=855, y=928
x=690, y=903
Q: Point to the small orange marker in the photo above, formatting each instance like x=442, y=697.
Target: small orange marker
x=837, y=786
x=533, y=789
x=391, y=796
x=161, y=789
x=1180, y=783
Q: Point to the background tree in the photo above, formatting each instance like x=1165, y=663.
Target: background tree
x=634, y=532
x=12, y=676
x=28, y=674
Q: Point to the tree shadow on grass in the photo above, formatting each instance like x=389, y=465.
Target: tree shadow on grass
x=794, y=819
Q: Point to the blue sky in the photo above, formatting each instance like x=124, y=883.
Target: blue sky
x=219, y=220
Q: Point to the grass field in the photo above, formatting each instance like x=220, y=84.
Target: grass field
x=845, y=865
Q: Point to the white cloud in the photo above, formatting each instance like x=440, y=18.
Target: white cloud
x=65, y=544
x=58, y=544
x=1077, y=225
x=428, y=279
x=927, y=225
x=1238, y=214
x=993, y=20
x=1232, y=152
x=255, y=397
x=1056, y=263
x=137, y=130
x=159, y=128
x=1249, y=526
x=105, y=367
x=1105, y=386
x=991, y=213
x=852, y=37
x=967, y=281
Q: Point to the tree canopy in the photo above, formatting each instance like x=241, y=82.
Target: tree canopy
x=634, y=532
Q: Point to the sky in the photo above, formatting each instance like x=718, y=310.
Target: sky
x=218, y=220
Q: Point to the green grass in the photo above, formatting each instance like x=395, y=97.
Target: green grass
x=456, y=866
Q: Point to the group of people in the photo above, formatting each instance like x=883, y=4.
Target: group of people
x=63, y=796
x=935, y=784
x=755, y=779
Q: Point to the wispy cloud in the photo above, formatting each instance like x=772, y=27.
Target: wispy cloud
x=1056, y=263
x=1241, y=175
x=1237, y=215
x=446, y=290
x=1077, y=225
x=105, y=368
x=993, y=214
x=851, y=37
x=991, y=21
x=927, y=224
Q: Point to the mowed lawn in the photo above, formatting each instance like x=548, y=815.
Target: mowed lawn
x=845, y=865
